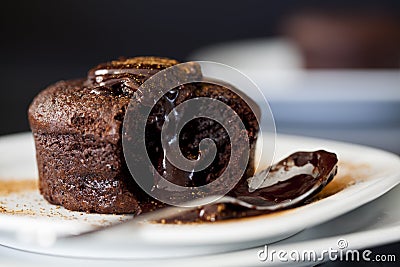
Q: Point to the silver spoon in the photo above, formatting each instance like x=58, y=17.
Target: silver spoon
x=286, y=184
x=288, y=177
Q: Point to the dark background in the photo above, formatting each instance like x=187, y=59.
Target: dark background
x=46, y=41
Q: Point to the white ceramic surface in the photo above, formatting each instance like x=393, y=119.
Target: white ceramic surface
x=377, y=172
x=371, y=225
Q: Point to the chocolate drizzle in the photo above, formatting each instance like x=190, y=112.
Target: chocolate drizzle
x=324, y=168
x=123, y=77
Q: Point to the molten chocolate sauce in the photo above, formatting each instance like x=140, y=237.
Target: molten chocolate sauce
x=123, y=78
x=324, y=169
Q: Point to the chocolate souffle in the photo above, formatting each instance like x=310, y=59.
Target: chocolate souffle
x=77, y=128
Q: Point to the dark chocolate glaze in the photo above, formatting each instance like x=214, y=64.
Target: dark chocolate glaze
x=325, y=168
x=124, y=76
x=323, y=162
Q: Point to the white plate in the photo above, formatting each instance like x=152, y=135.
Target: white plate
x=373, y=224
x=376, y=171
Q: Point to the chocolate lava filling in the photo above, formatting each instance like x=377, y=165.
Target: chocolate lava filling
x=121, y=79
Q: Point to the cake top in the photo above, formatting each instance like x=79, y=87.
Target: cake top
x=125, y=76
x=140, y=63
x=95, y=105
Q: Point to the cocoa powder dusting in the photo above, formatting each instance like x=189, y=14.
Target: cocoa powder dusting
x=348, y=174
x=16, y=186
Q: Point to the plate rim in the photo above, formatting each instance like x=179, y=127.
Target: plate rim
x=385, y=185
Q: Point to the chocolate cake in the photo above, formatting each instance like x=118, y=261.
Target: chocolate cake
x=77, y=127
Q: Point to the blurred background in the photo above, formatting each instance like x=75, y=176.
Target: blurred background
x=328, y=68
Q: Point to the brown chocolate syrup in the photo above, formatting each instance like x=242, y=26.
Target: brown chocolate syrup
x=324, y=169
x=123, y=78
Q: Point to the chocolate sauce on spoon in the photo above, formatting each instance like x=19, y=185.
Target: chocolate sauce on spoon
x=297, y=178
